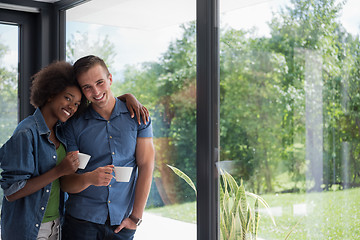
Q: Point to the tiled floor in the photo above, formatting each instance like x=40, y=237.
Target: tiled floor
x=160, y=228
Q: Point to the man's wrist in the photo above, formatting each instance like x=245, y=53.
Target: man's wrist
x=136, y=220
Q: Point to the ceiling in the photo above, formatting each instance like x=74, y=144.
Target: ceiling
x=48, y=1
x=134, y=14
x=145, y=14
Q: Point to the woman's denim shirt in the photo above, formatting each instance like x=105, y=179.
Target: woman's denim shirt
x=27, y=154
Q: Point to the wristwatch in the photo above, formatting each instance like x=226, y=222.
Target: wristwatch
x=136, y=220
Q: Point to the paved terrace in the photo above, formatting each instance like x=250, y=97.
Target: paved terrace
x=160, y=228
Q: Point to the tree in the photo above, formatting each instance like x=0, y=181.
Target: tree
x=8, y=95
x=79, y=46
x=313, y=27
x=269, y=112
x=167, y=88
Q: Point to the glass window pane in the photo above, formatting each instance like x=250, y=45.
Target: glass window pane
x=8, y=82
x=149, y=47
x=290, y=116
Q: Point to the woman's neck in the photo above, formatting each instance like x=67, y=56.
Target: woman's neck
x=50, y=121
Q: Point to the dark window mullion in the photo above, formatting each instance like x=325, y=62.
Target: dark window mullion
x=208, y=104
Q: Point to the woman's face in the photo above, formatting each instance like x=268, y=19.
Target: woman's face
x=65, y=104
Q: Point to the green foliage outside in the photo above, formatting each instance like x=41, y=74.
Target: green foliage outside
x=267, y=101
x=79, y=46
x=327, y=215
x=263, y=99
x=338, y=217
x=8, y=96
x=167, y=89
x=269, y=106
x=185, y=212
x=238, y=220
x=266, y=115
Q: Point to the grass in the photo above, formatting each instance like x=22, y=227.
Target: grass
x=185, y=212
x=327, y=215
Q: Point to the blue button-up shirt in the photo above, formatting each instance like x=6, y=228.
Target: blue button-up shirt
x=27, y=154
x=108, y=142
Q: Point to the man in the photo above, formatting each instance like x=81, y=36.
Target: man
x=99, y=207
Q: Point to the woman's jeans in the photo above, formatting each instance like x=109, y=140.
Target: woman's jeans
x=49, y=230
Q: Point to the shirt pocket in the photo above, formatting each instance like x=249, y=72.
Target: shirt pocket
x=125, y=146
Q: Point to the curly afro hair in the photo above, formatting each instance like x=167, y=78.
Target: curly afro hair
x=52, y=80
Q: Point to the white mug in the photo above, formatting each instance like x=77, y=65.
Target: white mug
x=83, y=159
x=123, y=174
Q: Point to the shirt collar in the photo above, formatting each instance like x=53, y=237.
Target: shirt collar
x=40, y=122
x=120, y=108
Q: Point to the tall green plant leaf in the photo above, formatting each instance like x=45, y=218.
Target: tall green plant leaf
x=229, y=180
x=293, y=228
x=243, y=200
x=237, y=221
x=183, y=176
x=257, y=218
x=248, y=220
x=264, y=203
x=232, y=233
x=225, y=210
x=223, y=229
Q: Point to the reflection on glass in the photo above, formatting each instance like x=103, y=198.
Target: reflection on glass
x=149, y=47
x=8, y=81
x=290, y=116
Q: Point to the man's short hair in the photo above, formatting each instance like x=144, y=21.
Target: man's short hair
x=85, y=63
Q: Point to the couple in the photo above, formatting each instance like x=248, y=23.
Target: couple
x=36, y=168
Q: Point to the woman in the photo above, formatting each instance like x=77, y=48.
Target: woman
x=34, y=158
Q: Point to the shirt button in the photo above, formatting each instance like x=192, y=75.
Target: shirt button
x=110, y=137
x=108, y=121
x=42, y=208
x=109, y=185
x=36, y=225
x=109, y=201
x=54, y=156
x=47, y=190
x=113, y=153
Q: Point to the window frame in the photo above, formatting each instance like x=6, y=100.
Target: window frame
x=43, y=40
x=208, y=115
x=27, y=48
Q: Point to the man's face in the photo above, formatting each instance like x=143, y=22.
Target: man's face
x=95, y=84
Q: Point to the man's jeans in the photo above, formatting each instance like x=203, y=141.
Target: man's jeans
x=76, y=229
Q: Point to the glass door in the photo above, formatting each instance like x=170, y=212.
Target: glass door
x=290, y=118
x=149, y=47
